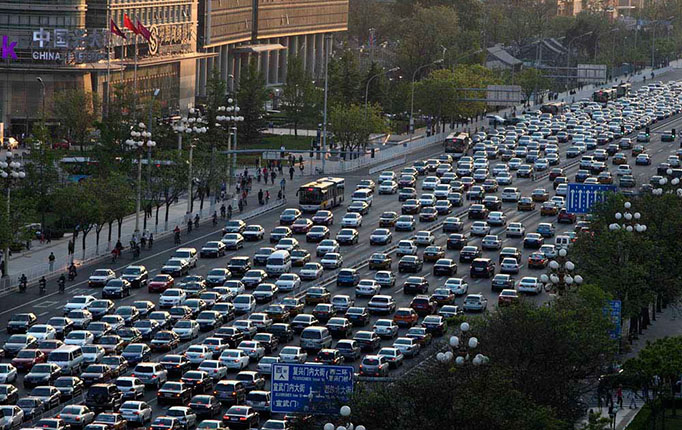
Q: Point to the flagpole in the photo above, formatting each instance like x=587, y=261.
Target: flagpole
x=108, y=59
x=135, y=74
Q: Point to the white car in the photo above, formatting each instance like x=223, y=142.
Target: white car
x=288, y=282
x=78, y=303
x=234, y=359
x=42, y=332
x=172, y=297
x=427, y=200
x=623, y=169
x=367, y=288
x=261, y=320
x=332, y=260
x=491, y=241
x=529, y=284
x=197, y=354
x=430, y=183
x=92, y=354
x=253, y=349
x=293, y=354
x=475, y=303
x=480, y=228
x=327, y=245
x=185, y=415
x=387, y=175
x=132, y=388
x=511, y=194
x=406, y=247
x=135, y=411
x=509, y=265
x=311, y=271
x=558, y=201
x=405, y=222
x=244, y=303
x=424, y=238
x=516, y=229
x=388, y=187
x=100, y=277
x=216, y=369
x=458, y=286
x=497, y=218
x=8, y=373
x=233, y=240
x=352, y=219
x=186, y=329
x=79, y=337
x=264, y=366
x=385, y=328
x=287, y=244
x=441, y=191
x=562, y=190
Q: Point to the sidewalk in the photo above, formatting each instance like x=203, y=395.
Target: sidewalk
x=34, y=262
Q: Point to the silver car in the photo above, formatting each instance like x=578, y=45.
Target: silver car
x=408, y=346
x=137, y=412
x=11, y=417
x=77, y=415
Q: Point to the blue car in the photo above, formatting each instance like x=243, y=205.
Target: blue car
x=546, y=229
x=347, y=278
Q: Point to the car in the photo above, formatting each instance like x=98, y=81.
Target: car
x=497, y=218
x=507, y=297
x=323, y=217
x=302, y=321
x=326, y=246
x=136, y=412
x=380, y=236
x=374, y=365
x=347, y=236
x=100, y=277
x=164, y=423
x=405, y=223
x=367, y=340
x=205, y=406
x=358, y=316
x=301, y=226
x=103, y=397
x=42, y=374
x=175, y=267
x=238, y=417
x=160, y=283
x=533, y=241
x=234, y=226
x=292, y=354
x=174, y=392
x=8, y=373
x=26, y=358
x=566, y=217
x=116, y=288
x=424, y=305
x=529, y=284
x=491, y=241
x=436, y=325
x=379, y=260
x=184, y=414
x=317, y=234
x=475, y=303
x=410, y=263
x=388, y=219
x=253, y=233
x=381, y=304
x=131, y=387
x=213, y=249
x=289, y=216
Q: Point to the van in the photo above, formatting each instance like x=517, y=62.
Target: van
x=316, y=338
x=363, y=195
x=244, y=304
x=278, y=262
x=69, y=358
x=562, y=242
x=189, y=254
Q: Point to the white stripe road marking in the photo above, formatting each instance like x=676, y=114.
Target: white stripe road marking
x=42, y=314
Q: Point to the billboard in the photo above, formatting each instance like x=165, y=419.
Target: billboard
x=591, y=73
x=504, y=95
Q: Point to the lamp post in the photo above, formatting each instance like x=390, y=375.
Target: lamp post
x=193, y=125
x=395, y=69
x=231, y=119
x=42, y=85
x=460, y=348
x=568, y=53
x=9, y=171
x=414, y=76
x=327, y=48
x=561, y=275
x=663, y=182
x=345, y=413
x=630, y=221
x=139, y=140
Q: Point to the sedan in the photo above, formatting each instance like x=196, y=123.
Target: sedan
x=381, y=236
x=213, y=249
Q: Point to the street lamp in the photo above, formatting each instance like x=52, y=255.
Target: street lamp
x=345, y=412
x=561, y=276
x=232, y=118
x=192, y=125
x=568, y=53
x=461, y=347
x=9, y=171
x=42, y=85
x=139, y=140
x=385, y=72
x=630, y=221
x=663, y=182
x=414, y=76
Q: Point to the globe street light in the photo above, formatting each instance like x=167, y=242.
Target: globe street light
x=462, y=347
x=628, y=221
x=232, y=117
x=9, y=171
x=345, y=412
x=139, y=141
x=192, y=125
x=561, y=276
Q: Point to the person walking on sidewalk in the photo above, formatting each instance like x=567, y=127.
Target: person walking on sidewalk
x=273, y=175
x=260, y=196
x=51, y=259
x=283, y=184
x=291, y=172
x=619, y=396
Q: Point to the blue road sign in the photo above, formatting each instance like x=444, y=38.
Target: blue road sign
x=614, y=310
x=581, y=197
x=310, y=388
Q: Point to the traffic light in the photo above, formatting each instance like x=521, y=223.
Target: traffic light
x=373, y=152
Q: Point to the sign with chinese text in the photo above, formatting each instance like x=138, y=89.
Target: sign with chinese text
x=310, y=388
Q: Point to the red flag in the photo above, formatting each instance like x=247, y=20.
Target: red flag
x=142, y=30
x=115, y=30
x=127, y=23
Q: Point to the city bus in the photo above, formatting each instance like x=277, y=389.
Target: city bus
x=604, y=96
x=623, y=89
x=457, y=144
x=324, y=193
x=76, y=169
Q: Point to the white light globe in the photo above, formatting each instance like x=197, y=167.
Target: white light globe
x=570, y=265
x=613, y=227
x=568, y=279
x=329, y=426
x=669, y=171
x=141, y=125
x=578, y=279
x=464, y=327
x=4, y=174
x=440, y=357
x=459, y=360
x=341, y=428
x=345, y=411
x=675, y=181
x=629, y=228
x=544, y=278
x=619, y=215
x=473, y=342
x=477, y=361
x=627, y=205
x=679, y=192
x=360, y=427
x=663, y=181
x=643, y=228
x=454, y=341
x=562, y=252
x=554, y=278
x=553, y=265
x=637, y=215
x=448, y=356
x=229, y=100
x=22, y=175
x=628, y=216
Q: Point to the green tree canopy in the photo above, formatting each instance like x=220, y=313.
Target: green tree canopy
x=77, y=111
x=251, y=98
x=352, y=125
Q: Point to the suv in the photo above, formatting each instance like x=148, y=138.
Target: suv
x=151, y=374
x=103, y=397
x=482, y=267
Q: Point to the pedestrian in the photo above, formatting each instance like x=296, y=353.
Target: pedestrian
x=291, y=172
x=151, y=240
x=48, y=237
x=258, y=176
x=279, y=195
x=229, y=211
x=619, y=396
x=222, y=210
x=301, y=167
x=42, y=237
x=273, y=175
x=279, y=166
x=632, y=396
x=267, y=196
x=283, y=184
x=260, y=196
x=300, y=160
x=51, y=259
x=241, y=206
x=612, y=417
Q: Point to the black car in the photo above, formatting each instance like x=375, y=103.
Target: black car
x=137, y=276
x=205, y=406
x=445, y=266
x=174, y=392
x=469, y=253
x=20, y=323
x=482, y=267
x=103, y=397
x=457, y=241
x=116, y=289
x=175, y=364
x=260, y=258
x=410, y=263
x=416, y=285
x=241, y=417
x=268, y=341
x=340, y=327
x=477, y=212
x=240, y=265
x=358, y=316
x=283, y=332
x=231, y=335
x=230, y=392
x=199, y=380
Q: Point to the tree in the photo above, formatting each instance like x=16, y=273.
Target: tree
x=251, y=98
x=298, y=94
x=352, y=125
x=77, y=111
x=344, y=78
x=436, y=95
x=377, y=91
x=79, y=206
x=42, y=176
x=532, y=81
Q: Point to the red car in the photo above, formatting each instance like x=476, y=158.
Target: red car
x=537, y=260
x=507, y=297
x=565, y=217
x=424, y=305
x=405, y=317
x=27, y=358
x=160, y=283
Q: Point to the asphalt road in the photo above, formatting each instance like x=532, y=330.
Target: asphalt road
x=51, y=303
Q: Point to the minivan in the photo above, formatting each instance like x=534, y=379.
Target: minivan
x=562, y=242
x=482, y=268
x=68, y=357
x=316, y=338
x=278, y=262
x=363, y=195
x=189, y=254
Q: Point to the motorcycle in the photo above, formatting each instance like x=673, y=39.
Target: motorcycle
x=42, y=285
x=61, y=283
x=22, y=284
